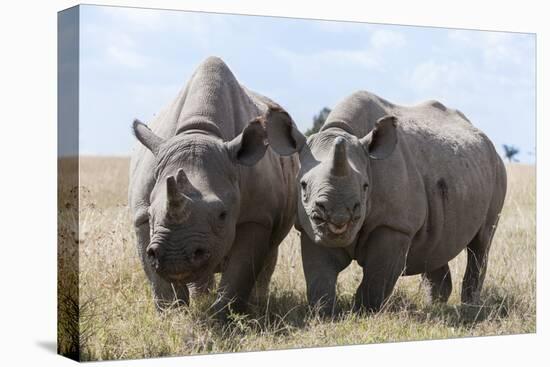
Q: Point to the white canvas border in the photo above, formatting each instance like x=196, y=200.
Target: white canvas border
x=29, y=181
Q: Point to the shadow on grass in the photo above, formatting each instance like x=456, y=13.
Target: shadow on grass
x=494, y=306
x=285, y=312
x=279, y=314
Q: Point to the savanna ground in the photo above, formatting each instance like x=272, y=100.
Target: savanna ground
x=118, y=319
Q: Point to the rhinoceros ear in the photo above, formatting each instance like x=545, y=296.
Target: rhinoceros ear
x=381, y=141
x=146, y=136
x=282, y=134
x=250, y=145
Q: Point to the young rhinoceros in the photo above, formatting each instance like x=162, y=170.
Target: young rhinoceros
x=207, y=194
x=401, y=190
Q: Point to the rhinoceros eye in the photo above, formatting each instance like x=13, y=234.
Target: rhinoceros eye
x=222, y=215
x=303, y=184
x=365, y=186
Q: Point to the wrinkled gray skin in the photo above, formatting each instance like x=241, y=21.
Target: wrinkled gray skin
x=401, y=190
x=206, y=193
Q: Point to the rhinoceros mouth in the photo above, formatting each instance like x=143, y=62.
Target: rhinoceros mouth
x=330, y=235
x=188, y=275
x=336, y=229
x=325, y=227
x=179, y=277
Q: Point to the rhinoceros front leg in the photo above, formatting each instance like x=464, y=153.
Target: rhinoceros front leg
x=245, y=262
x=165, y=293
x=383, y=257
x=321, y=268
x=440, y=283
x=260, y=292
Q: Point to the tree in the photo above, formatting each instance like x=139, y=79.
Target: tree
x=318, y=121
x=510, y=152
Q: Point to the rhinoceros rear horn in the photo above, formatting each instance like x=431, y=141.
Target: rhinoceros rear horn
x=181, y=180
x=339, y=163
x=146, y=136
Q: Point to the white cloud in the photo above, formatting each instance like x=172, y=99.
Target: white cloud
x=370, y=56
x=316, y=62
x=460, y=35
x=357, y=57
x=432, y=76
x=145, y=19
x=126, y=57
x=487, y=61
x=198, y=28
x=383, y=38
x=497, y=48
x=106, y=47
x=116, y=38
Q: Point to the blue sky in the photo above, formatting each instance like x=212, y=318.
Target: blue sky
x=134, y=61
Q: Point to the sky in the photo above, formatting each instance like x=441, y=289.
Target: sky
x=133, y=62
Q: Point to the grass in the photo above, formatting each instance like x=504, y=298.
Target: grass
x=118, y=319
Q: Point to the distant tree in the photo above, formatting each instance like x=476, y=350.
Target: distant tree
x=510, y=152
x=318, y=121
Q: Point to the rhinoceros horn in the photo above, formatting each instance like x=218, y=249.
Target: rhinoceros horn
x=339, y=163
x=175, y=192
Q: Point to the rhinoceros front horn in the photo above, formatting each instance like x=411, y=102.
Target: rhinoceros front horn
x=175, y=192
x=339, y=163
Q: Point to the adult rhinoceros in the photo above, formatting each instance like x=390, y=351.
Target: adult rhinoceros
x=206, y=193
x=402, y=190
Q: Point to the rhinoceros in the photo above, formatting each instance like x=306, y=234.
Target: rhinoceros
x=207, y=194
x=401, y=190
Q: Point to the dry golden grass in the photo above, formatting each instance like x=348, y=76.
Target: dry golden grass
x=118, y=319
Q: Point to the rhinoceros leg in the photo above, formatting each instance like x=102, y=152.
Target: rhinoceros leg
x=440, y=283
x=165, y=293
x=476, y=267
x=383, y=257
x=246, y=260
x=261, y=288
x=321, y=268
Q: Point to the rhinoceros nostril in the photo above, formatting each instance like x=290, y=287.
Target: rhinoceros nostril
x=153, y=251
x=200, y=255
x=319, y=205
